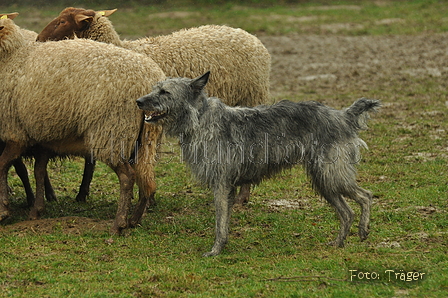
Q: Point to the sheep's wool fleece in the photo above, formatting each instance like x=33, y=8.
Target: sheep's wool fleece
x=74, y=96
x=239, y=62
x=29, y=35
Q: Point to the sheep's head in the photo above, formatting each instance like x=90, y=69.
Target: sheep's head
x=10, y=37
x=4, y=16
x=7, y=25
x=70, y=22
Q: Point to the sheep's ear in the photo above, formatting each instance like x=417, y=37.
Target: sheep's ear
x=80, y=18
x=106, y=13
x=199, y=83
x=11, y=16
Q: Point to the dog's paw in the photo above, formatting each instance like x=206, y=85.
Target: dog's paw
x=211, y=254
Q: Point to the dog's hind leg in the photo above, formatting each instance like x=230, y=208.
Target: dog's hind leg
x=223, y=199
x=364, y=199
x=346, y=216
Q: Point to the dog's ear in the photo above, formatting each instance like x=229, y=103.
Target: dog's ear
x=199, y=83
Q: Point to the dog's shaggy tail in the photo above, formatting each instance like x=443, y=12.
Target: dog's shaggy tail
x=358, y=113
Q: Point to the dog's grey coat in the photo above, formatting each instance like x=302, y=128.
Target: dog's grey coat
x=227, y=147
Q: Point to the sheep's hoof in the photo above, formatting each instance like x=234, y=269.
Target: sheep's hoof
x=81, y=197
x=51, y=197
x=4, y=213
x=115, y=231
x=243, y=197
x=152, y=201
x=241, y=200
x=34, y=214
x=133, y=222
x=118, y=229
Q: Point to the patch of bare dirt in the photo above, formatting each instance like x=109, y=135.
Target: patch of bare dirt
x=329, y=65
x=288, y=204
x=68, y=225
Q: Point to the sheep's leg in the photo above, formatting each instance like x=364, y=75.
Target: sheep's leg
x=84, y=188
x=11, y=152
x=147, y=189
x=49, y=191
x=126, y=176
x=223, y=199
x=40, y=174
x=244, y=194
x=22, y=172
x=144, y=169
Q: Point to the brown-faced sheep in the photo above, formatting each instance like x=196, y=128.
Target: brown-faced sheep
x=76, y=97
x=238, y=61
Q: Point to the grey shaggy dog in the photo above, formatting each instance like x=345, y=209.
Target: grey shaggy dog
x=229, y=146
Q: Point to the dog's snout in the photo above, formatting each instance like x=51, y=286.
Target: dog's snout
x=140, y=102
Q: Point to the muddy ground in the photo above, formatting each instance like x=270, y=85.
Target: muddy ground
x=335, y=70
x=332, y=65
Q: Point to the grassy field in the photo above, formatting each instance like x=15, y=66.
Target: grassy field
x=362, y=17
x=278, y=241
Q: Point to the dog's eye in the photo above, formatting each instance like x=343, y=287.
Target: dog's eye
x=163, y=92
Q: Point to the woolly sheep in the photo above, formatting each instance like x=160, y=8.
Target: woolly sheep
x=20, y=166
x=238, y=61
x=76, y=97
x=27, y=34
x=18, y=163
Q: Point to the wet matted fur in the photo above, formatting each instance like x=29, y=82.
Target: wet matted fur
x=229, y=146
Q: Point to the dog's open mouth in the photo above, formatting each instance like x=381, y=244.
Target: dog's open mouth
x=154, y=116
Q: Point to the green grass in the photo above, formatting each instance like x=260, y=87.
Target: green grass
x=273, y=252
x=352, y=18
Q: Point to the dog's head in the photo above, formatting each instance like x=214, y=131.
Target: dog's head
x=175, y=101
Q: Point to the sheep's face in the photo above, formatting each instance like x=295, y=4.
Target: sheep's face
x=71, y=21
x=10, y=37
x=6, y=25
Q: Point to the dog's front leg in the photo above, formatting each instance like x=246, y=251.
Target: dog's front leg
x=223, y=197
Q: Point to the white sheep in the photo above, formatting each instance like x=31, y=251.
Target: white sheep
x=76, y=97
x=238, y=61
x=27, y=34
x=20, y=167
x=18, y=163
